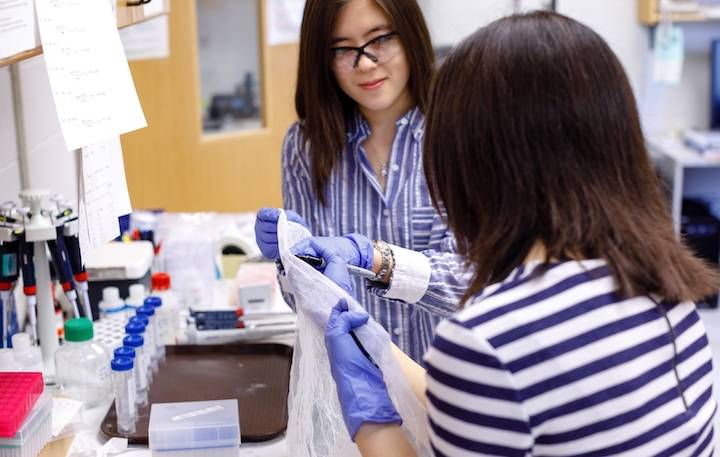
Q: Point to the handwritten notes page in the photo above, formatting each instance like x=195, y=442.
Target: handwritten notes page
x=17, y=27
x=90, y=79
x=104, y=195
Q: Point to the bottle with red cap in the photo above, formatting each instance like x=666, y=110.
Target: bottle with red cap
x=169, y=313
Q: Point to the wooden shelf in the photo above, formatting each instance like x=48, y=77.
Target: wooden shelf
x=649, y=14
x=20, y=56
x=126, y=16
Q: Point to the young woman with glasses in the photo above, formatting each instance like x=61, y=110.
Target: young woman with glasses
x=353, y=163
x=579, y=334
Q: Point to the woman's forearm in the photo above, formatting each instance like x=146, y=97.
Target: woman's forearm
x=414, y=374
x=382, y=440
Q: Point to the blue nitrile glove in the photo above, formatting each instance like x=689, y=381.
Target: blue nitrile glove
x=335, y=268
x=354, y=249
x=361, y=389
x=266, y=230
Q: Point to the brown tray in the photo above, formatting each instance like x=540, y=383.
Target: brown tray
x=258, y=375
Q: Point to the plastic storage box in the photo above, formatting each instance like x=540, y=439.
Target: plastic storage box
x=34, y=432
x=19, y=393
x=195, y=428
x=118, y=264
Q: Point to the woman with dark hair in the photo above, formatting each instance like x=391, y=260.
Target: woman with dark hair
x=353, y=163
x=579, y=334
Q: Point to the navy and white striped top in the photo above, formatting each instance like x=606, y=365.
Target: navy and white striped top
x=556, y=364
x=402, y=215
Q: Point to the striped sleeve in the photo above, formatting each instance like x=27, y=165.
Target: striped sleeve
x=474, y=407
x=434, y=279
x=449, y=278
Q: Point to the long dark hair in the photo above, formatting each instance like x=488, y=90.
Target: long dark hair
x=321, y=104
x=533, y=135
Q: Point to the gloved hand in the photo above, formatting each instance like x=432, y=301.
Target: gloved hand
x=354, y=249
x=361, y=389
x=266, y=230
x=335, y=265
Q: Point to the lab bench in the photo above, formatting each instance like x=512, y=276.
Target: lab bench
x=91, y=437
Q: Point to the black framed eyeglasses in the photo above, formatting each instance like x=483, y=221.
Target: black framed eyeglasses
x=380, y=50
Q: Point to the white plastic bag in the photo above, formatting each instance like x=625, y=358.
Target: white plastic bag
x=315, y=423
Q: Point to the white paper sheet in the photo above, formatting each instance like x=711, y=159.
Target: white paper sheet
x=104, y=196
x=147, y=40
x=64, y=411
x=90, y=79
x=154, y=7
x=284, y=18
x=17, y=27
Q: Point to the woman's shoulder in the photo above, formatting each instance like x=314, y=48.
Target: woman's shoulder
x=537, y=282
x=294, y=148
x=294, y=137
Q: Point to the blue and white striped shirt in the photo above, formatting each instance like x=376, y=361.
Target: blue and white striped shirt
x=556, y=364
x=429, y=276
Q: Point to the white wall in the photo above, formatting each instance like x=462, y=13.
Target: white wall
x=451, y=20
x=9, y=165
x=49, y=165
x=663, y=108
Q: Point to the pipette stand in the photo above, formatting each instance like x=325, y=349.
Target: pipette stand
x=39, y=230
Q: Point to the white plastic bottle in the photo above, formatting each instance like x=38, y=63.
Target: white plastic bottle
x=112, y=306
x=83, y=366
x=135, y=300
x=7, y=361
x=169, y=314
x=27, y=355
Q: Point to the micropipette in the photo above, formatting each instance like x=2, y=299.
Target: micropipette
x=62, y=267
x=319, y=262
x=8, y=275
x=29, y=286
x=72, y=244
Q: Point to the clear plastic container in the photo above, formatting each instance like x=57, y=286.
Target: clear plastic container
x=194, y=425
x=124, y=387
x=27, y=355
x=148, y=311
x=112, y=306
x=169, y=315
x=161, y=324
x=136, y=327
x=149, y=349
x=135, y=342
x=83, y=366
x=141, y=386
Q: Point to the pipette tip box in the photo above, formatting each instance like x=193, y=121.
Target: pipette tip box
x=19, y=391
x=34, y=432
x=194, y=428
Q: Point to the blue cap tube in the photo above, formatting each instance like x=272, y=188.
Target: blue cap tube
x=124, y=352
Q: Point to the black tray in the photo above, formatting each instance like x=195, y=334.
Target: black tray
x=258, y=375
